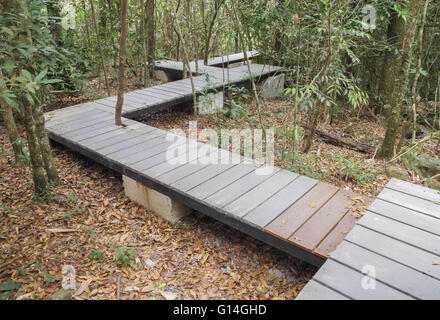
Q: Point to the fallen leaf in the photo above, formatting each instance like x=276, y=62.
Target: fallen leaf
x=84, y=286
x=169, y=295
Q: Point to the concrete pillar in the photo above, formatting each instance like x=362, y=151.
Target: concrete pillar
x=272, y=87
x=163, y=76
x=155, y=201
x=210, y=103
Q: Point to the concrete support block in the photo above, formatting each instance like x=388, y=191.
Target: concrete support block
x=163, y=76
x=157, y=202
x=273, y=86
x=210, y=103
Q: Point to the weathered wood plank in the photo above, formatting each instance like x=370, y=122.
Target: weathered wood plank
x=414, y=190
x=405, y=215
x=116, y=136
x=316, y=291
x=343, y=279
x=272, y=208
x=315, y=229
x=196, y=179
x=253, y=198
x=396, y=250
x=295, y=216
x=186, y=155
x=239, y=187
x=220, y=181
x=411, y=202
x=402, y=232
x=335, y=236
x=204, y=159
x=394, y=274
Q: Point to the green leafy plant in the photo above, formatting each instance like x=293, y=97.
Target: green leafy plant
x=350, y=171
x=125, y=256
x=48, y=278
x=97, y=255
x=8, y=288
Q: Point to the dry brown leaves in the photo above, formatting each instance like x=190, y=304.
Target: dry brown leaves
x=198, y=259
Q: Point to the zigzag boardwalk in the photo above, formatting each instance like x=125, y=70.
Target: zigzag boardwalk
x=263, y=206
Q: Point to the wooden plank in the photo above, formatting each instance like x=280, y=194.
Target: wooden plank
x=158, y=91
x=149, y=99
x=272, y=208
x=317, y=227
x=414, y=190
x=316, y=291
x=411, y=202
x=203, y=160
x=157, y=155
x=245, y=184
x=253, y=198
x=132, y=153
x=402, y=232
x=349, y=282
x=93, y=133
x=391, y=273
x=295, y=216
x=117, y=136
x=159, y=94
x=127, y=105
x=81, y=127
x=335, y=237
x=405, y=215
x=396, y=250
x=67, y=126
x=188, y=154
x=132, y=142
x=82, y=114
x=214, y=184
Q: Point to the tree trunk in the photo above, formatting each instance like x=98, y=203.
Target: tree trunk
x=101, y=52
x=39, y=179
x=46, y=152
x=11, y=127
x=401, y=34
x=121, y=76
x=151, y=42
x=54, y=12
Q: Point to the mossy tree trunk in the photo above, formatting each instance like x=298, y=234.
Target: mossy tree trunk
x=45, y=149
x=38, y=177
x=401, y=35
x=10, y=126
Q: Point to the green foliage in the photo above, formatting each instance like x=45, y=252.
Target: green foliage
x=304, y=164
x=350, y=171
x=48, y=278
x=8, y=288
x=67, y=216
x=125, y=256
x=97, y=255
x=91, y=232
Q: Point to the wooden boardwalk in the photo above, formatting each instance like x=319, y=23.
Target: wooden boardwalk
x=396, y=246
x=294, y=213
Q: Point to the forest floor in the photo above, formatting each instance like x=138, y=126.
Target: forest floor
x=88, y=218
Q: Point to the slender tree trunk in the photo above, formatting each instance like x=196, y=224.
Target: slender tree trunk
x=151, y=42
x=396, y=70
x=38, y=177
x=121, y=76
x=45, y=149
x=186, y=59
x=101, y=52
x=417, y=75
x=53, y=11
x=11, y=127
